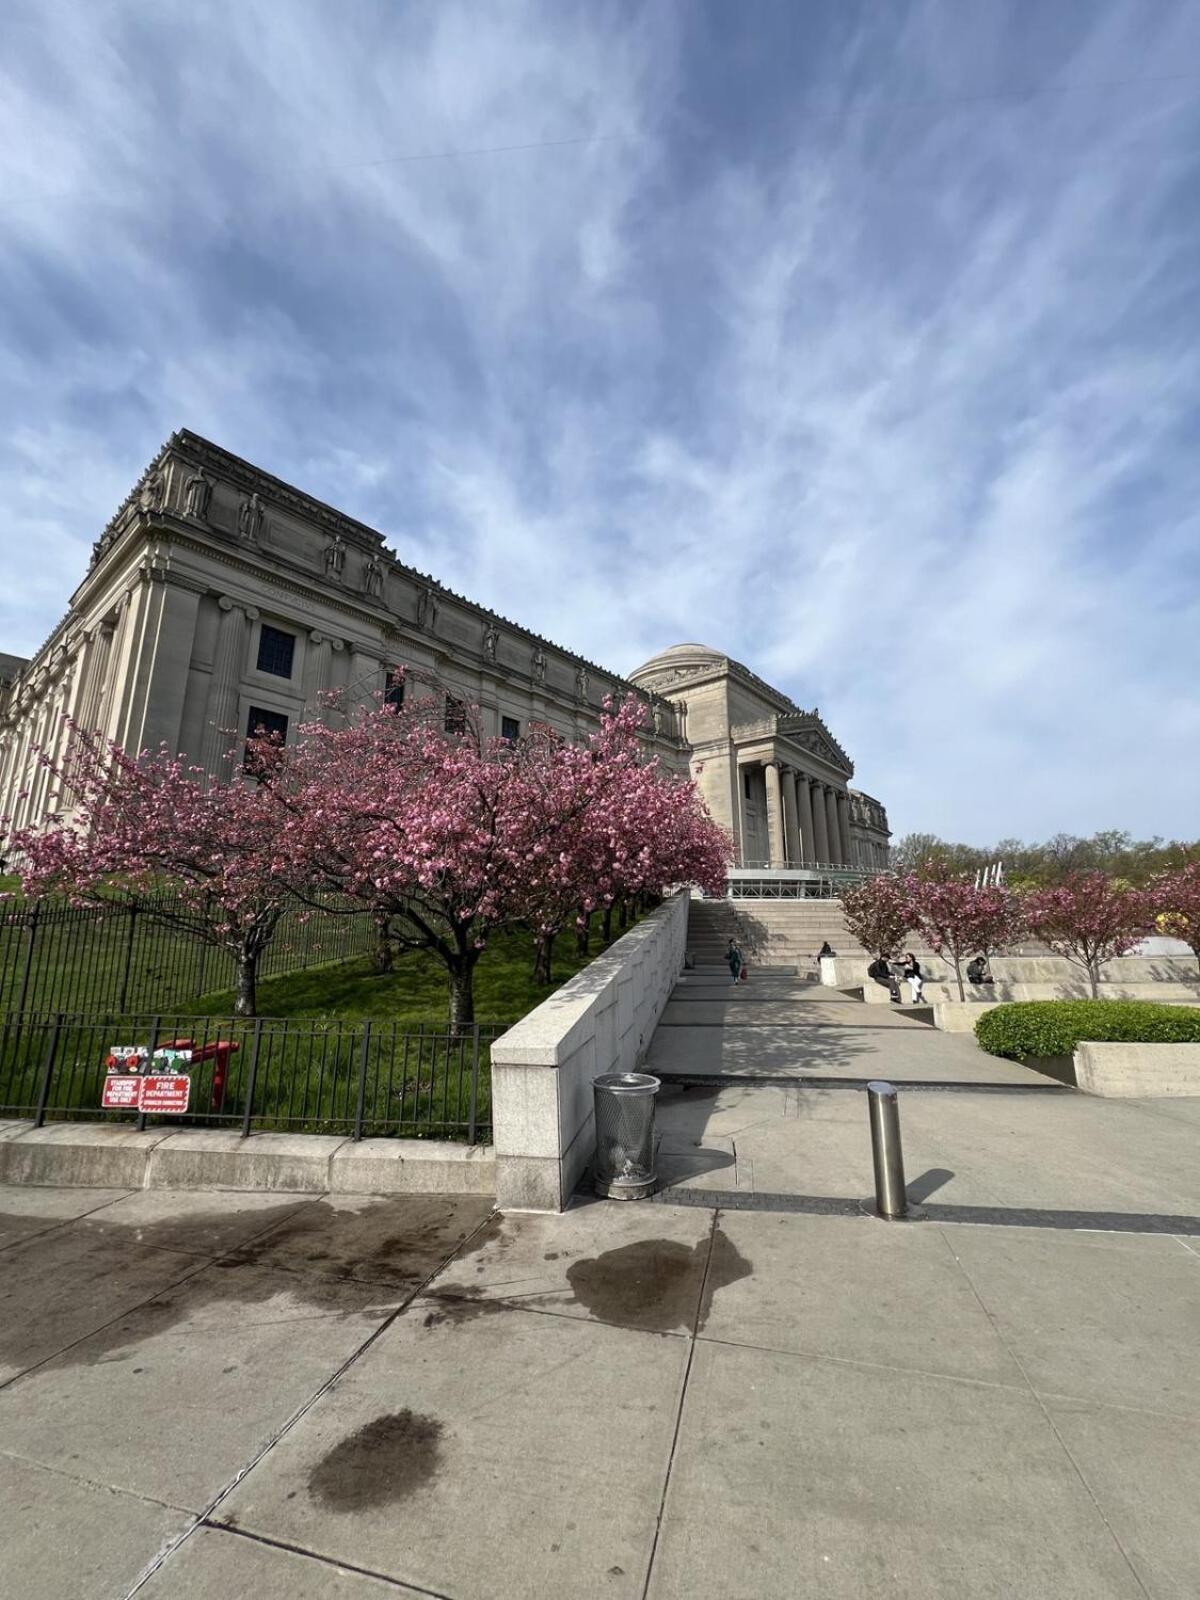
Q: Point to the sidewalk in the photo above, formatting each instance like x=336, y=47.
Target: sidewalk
x=215, y=1394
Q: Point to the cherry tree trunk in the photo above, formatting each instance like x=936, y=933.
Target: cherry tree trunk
x=542, y=956
x=462, y=998
x=583, y=939
x=384, y=954
x=246, y=984
x=606, y=933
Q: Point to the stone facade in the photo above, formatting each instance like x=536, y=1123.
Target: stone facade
x=220, y=598
x=770, y=772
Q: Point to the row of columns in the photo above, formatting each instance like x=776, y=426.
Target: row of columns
x=807, y=820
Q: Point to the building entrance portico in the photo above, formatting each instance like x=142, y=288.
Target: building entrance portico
x=769, y=771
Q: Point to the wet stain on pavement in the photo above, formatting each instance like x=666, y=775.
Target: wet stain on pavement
x=655, y=1283
x=450, y=1308
x=384, y=1461
x=726, y=1265
x=322, y=1260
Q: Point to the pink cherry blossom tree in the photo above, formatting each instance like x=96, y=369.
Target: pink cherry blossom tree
x=1089, y=918
x=1176, y=897
x=878, y=913
x=124, y=828
x=957, y=918
x=450, y=835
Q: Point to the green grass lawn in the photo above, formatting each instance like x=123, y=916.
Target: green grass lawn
x=312, y=1056
x=416, y=991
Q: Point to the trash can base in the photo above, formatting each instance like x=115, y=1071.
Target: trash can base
x=625, y=1188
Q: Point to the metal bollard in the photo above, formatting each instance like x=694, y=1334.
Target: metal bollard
x=883, y=1103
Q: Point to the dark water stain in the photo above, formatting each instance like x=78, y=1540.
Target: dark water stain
x=388, y=1241
x=53, y=1296
x=726, y=1265
x=462, y=1303
x=384, y=1461
x=655, y=1283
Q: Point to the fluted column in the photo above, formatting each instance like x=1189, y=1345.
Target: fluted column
x=831, y=826
x=229, y=660
x=843, y=816
x=774, y=815
x=820, y=830
x=808, y=847
x=791, y=818
x=95, y=668
x=318, y=670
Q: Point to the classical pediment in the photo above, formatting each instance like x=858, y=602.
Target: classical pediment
x=808, y=732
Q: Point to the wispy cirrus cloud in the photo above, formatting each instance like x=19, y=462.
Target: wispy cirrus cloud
x=858, y=341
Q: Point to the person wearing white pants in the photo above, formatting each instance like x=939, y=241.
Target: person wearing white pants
x=912, y=974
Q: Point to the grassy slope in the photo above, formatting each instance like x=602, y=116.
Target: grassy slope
x=416, y=990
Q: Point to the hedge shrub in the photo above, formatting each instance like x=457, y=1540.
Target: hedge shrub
x=1054, y=1027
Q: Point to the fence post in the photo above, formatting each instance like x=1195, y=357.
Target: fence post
x=364, y=1058
x=32, y=924
x=251, y=1078
x=201, y=962
x=124, y=1000
x=48, y=1071
x=474, y=1083
x=155, y=1028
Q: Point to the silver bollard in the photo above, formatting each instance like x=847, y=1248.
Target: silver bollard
x=884, y=1106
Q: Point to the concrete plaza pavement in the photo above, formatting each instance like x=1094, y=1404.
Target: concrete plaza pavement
x=213, y=1394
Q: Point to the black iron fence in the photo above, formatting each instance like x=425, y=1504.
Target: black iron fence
x=56, y=956
x=271, y=1074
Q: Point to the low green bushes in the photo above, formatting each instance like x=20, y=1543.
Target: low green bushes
x=1055, y=1027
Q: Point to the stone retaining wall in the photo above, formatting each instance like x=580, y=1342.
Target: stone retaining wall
x=108, y=1156
x=1117, y=1070
x=543, y=1067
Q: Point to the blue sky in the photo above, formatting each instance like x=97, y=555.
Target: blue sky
x=858, y=340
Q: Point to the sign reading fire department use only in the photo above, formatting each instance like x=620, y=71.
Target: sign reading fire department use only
x=164, y=1093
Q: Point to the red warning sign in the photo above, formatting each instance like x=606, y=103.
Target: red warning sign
x=121, y=1092
x=165, y=1095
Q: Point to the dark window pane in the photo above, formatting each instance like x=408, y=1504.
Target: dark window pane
x=510, y=728
x=270, y=723
x=393, y=694
x=275, y=651
x=456, y=715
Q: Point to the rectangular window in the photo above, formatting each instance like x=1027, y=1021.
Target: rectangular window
x=275, y=651
x=510, y=729
x=270, y=723
x=393, y=694
x=746, y=784
x=456, y=715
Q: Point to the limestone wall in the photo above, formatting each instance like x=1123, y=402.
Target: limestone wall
x=543, y=1125
x=1119, y=1070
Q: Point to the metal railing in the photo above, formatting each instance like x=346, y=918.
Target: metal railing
x=364, y=1079
x=56, y=956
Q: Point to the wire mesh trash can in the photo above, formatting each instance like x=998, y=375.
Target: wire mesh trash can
x=625, y=1134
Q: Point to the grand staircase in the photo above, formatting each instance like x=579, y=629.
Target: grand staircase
x=711, y=925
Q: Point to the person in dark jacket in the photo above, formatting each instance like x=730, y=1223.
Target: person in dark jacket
x=977, y=970
x=881, y=971
x=912, y=976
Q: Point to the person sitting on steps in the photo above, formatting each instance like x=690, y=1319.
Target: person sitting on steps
x=881, y=971
x=977, y=970
x=912, y=973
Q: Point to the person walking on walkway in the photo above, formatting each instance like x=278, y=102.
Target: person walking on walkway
x=733, y=957
x=912, y=974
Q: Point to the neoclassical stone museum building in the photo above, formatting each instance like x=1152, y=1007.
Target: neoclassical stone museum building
x=220, y=598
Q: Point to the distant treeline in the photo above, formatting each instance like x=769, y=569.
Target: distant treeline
x=1115, y=852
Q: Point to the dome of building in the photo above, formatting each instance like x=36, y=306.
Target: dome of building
x=680, y=658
